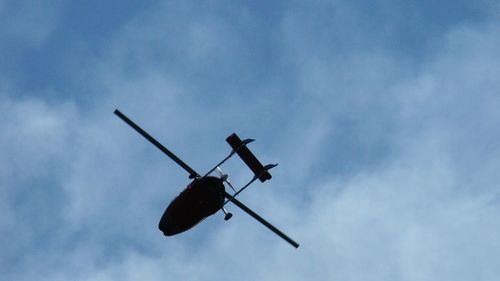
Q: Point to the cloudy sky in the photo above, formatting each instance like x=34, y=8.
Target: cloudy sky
x=384, y=117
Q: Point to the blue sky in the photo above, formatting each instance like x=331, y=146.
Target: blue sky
x=383, y=117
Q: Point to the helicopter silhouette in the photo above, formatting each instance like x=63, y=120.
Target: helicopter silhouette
x=206, y=195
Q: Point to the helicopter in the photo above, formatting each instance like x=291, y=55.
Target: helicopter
x=206, y=195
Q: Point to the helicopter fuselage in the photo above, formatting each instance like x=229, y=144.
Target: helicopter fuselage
x=203, y=197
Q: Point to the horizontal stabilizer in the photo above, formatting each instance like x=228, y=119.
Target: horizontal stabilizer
x=247, y=156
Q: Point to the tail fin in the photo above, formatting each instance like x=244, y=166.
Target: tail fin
x=247, y=156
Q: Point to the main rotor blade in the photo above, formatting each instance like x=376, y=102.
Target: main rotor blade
x=192, y=173
x=260, y=219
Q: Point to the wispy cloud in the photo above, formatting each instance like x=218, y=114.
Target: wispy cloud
x=28, y=22
x=388, y=159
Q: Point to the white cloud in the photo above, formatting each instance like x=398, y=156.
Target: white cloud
x=423, y=210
